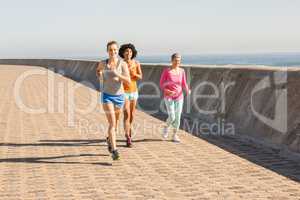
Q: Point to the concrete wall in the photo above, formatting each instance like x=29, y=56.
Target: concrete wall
x=236, y=110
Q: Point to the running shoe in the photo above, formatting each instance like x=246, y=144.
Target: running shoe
x=115, y=155
x=128, y=141
x=176, y=138
x=165, y=133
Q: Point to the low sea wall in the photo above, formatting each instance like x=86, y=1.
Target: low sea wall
x=260, y=103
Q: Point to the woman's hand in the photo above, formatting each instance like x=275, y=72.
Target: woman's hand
x=170, y=92
x=99, y=71
x=135, y=75
x=116, y=79
x=120, y=76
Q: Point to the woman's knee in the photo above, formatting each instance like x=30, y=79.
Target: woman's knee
x=177, y=122
x=172, y=117
x=126, y=115
x=112, y=125
x=132, y=112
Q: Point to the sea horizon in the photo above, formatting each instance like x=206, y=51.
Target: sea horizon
x=269, y=59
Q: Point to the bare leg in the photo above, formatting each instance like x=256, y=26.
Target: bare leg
x=117, y=116
x=132, y=113
x=127, y=117
x=111, y=118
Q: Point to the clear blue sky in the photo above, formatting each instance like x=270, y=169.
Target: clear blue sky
x=41, y=28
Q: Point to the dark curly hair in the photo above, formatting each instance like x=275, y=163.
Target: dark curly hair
x=127, y=46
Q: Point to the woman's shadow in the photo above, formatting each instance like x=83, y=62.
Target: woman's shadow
x=63, y=143
x=55, y=143
x=47, y=160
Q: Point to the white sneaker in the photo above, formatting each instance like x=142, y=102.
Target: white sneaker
x=165, y=133
x=176, y=138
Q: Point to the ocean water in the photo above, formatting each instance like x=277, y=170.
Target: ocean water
x=275, y=59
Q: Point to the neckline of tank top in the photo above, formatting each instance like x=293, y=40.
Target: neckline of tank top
x=118, y=64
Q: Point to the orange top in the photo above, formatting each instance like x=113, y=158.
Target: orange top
x=133, y=70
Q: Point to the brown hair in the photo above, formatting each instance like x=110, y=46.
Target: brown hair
x=111, y=43
x=175, y=55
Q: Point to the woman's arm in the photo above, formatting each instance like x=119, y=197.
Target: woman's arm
x=139, y=74
x=184, y=83
x=99, y=69
x=162, y=80
x=124, y=76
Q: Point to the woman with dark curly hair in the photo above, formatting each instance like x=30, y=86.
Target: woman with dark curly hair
x=128, y=53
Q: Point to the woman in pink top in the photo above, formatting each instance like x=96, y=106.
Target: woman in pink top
x=172, y=83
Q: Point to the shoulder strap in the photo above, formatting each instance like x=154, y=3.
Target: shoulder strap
x=120, y=62
x=106, y=63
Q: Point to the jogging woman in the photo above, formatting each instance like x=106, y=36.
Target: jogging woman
x=172, y=83
x=112, y=72
x=128, y=53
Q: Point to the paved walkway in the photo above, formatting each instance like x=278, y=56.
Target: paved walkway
x=41, y=157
